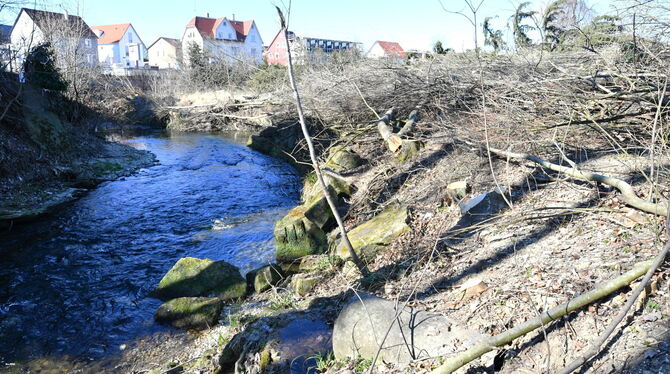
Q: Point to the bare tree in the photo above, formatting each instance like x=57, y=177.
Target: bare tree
x=74, y=46
x=473, y=6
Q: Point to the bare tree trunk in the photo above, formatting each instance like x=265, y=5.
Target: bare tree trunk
x=312, y=154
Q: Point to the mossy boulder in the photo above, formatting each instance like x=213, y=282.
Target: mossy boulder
x=297, y=236
x=191, y=277
x=316, y=205
x=341, y=159
x=338, y=187
x=264, y=277
x=190, y=313
x=318, y=211
x=303, y=283
x=371, y=236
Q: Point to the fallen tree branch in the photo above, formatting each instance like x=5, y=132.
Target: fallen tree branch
x=552, y=314
x=627, y=192
x=315, y=164
x=595, y=346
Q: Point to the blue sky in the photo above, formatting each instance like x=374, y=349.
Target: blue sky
x=414, y=24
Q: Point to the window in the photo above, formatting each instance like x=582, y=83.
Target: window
x=230, y=36
x=87, y=42
x=130, y=37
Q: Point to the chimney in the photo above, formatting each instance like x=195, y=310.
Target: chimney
x=66, y=15
x=233, y=16
x=207, y=14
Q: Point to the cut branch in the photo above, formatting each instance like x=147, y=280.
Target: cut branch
x=628, y=194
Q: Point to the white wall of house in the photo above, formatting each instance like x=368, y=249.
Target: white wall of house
x=225, y=45
x=191, y=35
x=376, y=51
x=26, y=35
x=127, y=52
x=108, y=53
x=164, y=55
x=253, y=45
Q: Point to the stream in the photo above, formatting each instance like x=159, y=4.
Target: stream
x=76, y=283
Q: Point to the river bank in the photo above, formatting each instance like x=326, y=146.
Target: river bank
x=487, y=241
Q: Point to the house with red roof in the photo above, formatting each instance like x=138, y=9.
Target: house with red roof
x=304, y=48
x=391, y=50
x=119, y=45
x=224, y=38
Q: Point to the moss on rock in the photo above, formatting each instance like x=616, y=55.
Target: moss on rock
x=191, y=277
x=340, y=159
x=265, y=277
x=190, y=313
x=303, y=283
x=297, y=236
x=371, y=236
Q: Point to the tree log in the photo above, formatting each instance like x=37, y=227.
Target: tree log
x=552, y=314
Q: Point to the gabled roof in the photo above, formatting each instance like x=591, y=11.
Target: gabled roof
x=111, y=33
x=173, y=42
x=207, y=27
x=44, y=20
x=242, y=28
x=391, y=49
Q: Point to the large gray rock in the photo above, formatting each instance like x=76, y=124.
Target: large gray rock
x=415, y=334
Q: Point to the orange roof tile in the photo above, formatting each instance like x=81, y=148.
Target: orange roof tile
x=111, y=33
x=392, y=49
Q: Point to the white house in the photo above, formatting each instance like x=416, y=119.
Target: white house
x=165, y=53
x=119, y=45
x=234, y=41
x=71, y=38
x=391, y=50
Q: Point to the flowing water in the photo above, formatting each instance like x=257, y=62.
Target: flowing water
x=76, y=283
